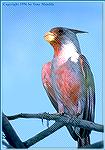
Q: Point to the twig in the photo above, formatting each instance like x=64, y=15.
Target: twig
x=71, y=120
x=10, y=133
x=44, y=115
x=43, y=134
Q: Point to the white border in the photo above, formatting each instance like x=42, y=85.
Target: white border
x=103, y=15
x=1, y=78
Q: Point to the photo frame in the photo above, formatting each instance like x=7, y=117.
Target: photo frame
x=23, y=54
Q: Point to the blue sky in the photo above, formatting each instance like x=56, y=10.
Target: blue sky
x=24, y=51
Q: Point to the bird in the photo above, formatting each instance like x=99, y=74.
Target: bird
x=69, y=81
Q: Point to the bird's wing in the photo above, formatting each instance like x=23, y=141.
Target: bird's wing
x=51, y=96
x=89, y=110
x=46, y=79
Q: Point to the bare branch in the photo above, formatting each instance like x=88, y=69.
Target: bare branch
x=71, y=120
x=10, y=133
x=43, y=134
x=44, y=115
x=96, y=145
x=61, y=121
x=6, y=144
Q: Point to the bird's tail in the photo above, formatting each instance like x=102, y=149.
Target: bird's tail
x=83, y=141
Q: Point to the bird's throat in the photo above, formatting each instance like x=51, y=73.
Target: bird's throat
x=56, y=51
x=64, y=52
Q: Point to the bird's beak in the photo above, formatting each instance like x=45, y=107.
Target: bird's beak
x=49, y=36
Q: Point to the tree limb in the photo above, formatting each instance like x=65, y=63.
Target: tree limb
x=43, y=134
x=6, y=144
x=61, y=120
x=71, y=120
x=95, y=145
x=10, y=133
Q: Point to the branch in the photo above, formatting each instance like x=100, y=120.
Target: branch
x=43, y=134
x=96, y=145
x=10, y=133
x=6, y=144
x=71, y=120
x=61, y=121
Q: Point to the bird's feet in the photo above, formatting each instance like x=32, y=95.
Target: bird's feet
x=61, y=112
x=78, y=114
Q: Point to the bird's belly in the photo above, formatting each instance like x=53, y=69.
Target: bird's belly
x=68, y=84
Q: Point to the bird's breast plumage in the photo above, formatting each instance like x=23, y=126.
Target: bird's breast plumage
x=67, y=84
x=64, y=83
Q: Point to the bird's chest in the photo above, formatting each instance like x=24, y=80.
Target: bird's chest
x=66, y=82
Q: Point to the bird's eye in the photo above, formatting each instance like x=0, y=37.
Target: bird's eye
x=60, y=31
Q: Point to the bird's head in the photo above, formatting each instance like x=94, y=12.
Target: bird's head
x=60, y=36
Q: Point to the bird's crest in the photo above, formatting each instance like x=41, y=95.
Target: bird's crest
x=77, y=31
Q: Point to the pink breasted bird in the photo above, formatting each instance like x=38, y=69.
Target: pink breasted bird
x=68, y=80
